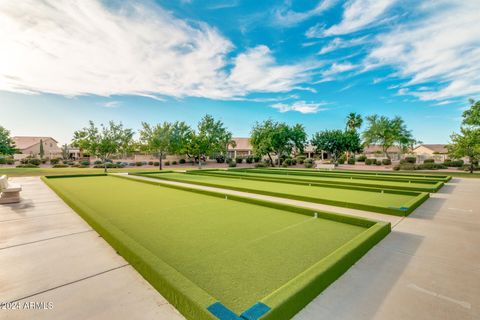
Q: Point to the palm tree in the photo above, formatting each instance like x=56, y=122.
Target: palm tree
x=354, y=121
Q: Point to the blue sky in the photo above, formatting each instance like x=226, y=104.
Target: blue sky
x=64, y=63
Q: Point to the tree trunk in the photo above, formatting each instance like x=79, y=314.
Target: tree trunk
x=278, y=157
x=104, y=165
x=271, y=160
x=471, y=165
x=199, y=162
x=160, y=156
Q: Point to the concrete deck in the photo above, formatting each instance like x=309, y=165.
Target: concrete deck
x=49, y=254
x=427, y=268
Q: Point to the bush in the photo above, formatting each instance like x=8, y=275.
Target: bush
x=397, y=167
x=410, y=160
x=131, y=164
x=249, y=159
x=220, y=159
x=294, y=161
x=59, y=165
x=181, y=161
x=139, y=163
x=285, y=165
x=454, y=163
x=341, y=160
x=369, y=162
x=429, y=161
x=156, y=163
x=308, y=163
x=174, y=162
x=27, y=165
x=287, y=162
x=34, y=161
x=232, y=164
x=97, y=162
x=261, y=165
x=54, y=161
x=256, y=158
x=239, y=160
x=407, y=166
x=150, y=163
x=378, y=162
x=361, y=158
x=386, y=162
x=85, y=163
x=3, y=160
x=167, y=163
x=351, y=160
x=301, y=159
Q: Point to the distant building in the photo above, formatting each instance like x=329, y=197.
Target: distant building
x=30, y=146
x=438, y=152
x=376, y=151
x=242, y=148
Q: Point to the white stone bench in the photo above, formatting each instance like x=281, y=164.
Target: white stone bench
x=325, y=166
x=10, y=192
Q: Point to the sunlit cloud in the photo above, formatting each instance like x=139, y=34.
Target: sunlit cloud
x=442, y=48
x=357, y=14
x=301, y=106
x=85, y=47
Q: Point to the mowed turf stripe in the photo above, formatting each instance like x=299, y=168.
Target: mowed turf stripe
x=199, y=235
x=321, y=180
x=375, y=174
x=391, y=202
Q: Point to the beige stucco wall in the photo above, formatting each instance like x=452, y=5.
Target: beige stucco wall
x=50, y=149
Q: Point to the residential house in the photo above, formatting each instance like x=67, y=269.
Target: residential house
x=30, y=146
x=376, y=151
x=438, y=152
x=242, y=148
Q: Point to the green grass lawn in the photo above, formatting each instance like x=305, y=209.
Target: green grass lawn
x=423, y=186
x=198, y=249
x=370, y=199
x=355, y=174
x=27, y=172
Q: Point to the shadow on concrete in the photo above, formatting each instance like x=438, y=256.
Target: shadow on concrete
x=361, y=291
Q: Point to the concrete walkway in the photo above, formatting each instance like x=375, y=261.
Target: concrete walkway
x=427, y=268
x=49, y=255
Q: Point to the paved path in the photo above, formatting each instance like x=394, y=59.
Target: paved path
x=427, y=268
x=49, y=254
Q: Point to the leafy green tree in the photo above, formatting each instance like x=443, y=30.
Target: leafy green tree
x=269, y=137
x=387, y=133
x=156, y=139
x=100, y=142
x=42, y=150
x=180, y=138
x=7, y=146
x=471, y=116
x=210, y=138
x=465, y=144
x=336, y=142
x=354, y=121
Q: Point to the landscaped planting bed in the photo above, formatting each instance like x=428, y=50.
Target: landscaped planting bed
x=395, y=202
x=219, y=257
x=423, y=186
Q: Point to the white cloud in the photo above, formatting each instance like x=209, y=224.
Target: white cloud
x=357, y=14
x=337, y=68
x=256, y=71
x=84, y=47
x=300, y=106
x=339, y=43
x=286, y=17
x=442, y=48
x=111, y=104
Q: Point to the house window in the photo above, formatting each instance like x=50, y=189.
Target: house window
x=51, y=145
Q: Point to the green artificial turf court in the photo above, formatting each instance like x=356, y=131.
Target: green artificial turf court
x=396, y=202
x=423, y=186
x=213, y=257
x=378, y=175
